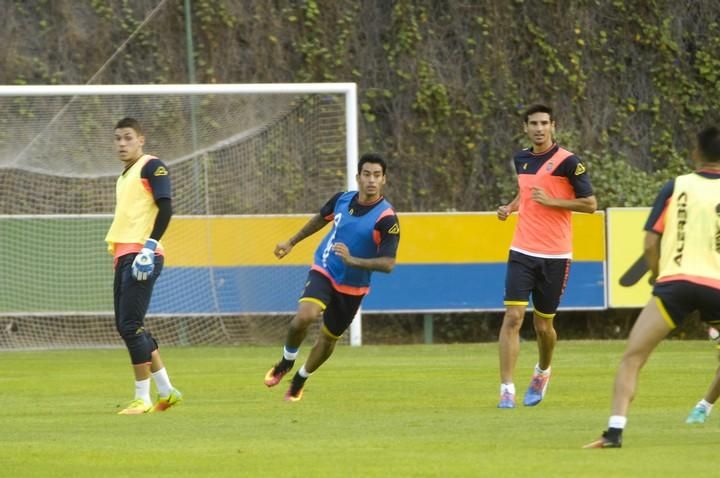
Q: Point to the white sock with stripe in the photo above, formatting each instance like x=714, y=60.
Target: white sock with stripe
x=617, y=421
x=290, y=353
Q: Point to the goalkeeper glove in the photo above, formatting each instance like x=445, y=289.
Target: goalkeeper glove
x=144, y=262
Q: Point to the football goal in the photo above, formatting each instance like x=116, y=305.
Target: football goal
x=249, y=164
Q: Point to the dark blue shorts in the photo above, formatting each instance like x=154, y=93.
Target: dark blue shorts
x=679, y=298
x=132, y=299
x=338, y=309
x=543, y=279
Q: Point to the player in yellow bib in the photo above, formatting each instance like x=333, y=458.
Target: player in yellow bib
x=142, y=213
x=682, y=249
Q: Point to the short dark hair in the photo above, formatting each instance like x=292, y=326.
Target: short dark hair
x=128, y=122
x=709, y=144
x=538, y=108
x=372, y=158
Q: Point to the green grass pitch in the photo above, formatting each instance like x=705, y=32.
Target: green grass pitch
x=373, y=411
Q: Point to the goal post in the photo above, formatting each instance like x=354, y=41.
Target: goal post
x=56, y=157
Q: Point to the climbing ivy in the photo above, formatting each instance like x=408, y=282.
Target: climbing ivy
x=442, y=85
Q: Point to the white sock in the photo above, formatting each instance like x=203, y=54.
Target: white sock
x=142, y=391
x=162, y=382
x=540, y=371
x=303, y=373
x=617, y=421
x=507, y=387
x=706, y=405
x=290, y=354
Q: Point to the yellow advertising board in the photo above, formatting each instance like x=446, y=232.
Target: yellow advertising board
x=627, y=273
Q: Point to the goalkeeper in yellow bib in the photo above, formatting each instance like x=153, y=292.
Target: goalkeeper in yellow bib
x=364, y=237
x=682, y=249
x=142, y=214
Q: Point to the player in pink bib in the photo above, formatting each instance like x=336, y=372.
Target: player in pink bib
x=552, y=183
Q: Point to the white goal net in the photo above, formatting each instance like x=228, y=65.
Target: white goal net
x=248, y=163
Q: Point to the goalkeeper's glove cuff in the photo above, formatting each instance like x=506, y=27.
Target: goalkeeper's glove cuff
x=151, y=244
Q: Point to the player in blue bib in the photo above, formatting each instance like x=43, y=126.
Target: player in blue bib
x=364, y=238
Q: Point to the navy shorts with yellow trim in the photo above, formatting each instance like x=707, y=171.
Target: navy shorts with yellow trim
x=339, y=309
x=679, y=298
x=544, y=279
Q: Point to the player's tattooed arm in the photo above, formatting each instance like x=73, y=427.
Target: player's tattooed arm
x=315, y=223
